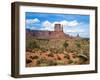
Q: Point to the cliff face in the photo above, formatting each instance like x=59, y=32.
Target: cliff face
x=46, y=34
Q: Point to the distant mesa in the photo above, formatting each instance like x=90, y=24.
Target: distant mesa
x=45, y=34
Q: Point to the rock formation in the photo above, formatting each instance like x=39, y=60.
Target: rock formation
x=45, y=34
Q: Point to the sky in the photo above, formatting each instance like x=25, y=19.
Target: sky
x=73, y=24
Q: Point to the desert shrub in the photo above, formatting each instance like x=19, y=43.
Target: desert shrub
x=65, y=45
x=86, y=50
x=70, y=61
x=60, y=63
x=50, y=55
x=74, y=61
x=28, y=61
x=69, y=49
x=56, y=50
x=51, y=62
x=78, y=45
x=33, y=51
x=38, y=62
x=41, y=60
x=60, y=50
x=51, y=50
x=66, y=56
x=43, y=49
x=36, y=50
x=43, y=39
x=31, y=45
x=34, y=57
x=83, y=57
x=43, y=64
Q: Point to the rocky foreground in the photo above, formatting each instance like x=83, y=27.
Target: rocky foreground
x=38, y=58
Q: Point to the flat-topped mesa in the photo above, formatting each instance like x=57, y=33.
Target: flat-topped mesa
x=58, y=27
x=58, y=33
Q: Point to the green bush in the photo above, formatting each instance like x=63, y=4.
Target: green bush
x=65, y=45
x=31, y=45
x=78, y=45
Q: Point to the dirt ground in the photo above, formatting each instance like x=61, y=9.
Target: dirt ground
x=48, y=59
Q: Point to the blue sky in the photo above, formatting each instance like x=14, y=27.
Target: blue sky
x=73, y=24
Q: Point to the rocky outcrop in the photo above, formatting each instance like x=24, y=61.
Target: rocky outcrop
x=45, y=34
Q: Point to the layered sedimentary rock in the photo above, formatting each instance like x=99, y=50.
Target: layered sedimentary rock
x=45, y=34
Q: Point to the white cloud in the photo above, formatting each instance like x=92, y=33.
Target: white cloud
x=64, y=23
x=47, y=25
x=73, y=23
x=81, y=28
x=47, y=28
x=75, y=31
x=29, y=21
x=56, y=22
x=33, y=28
